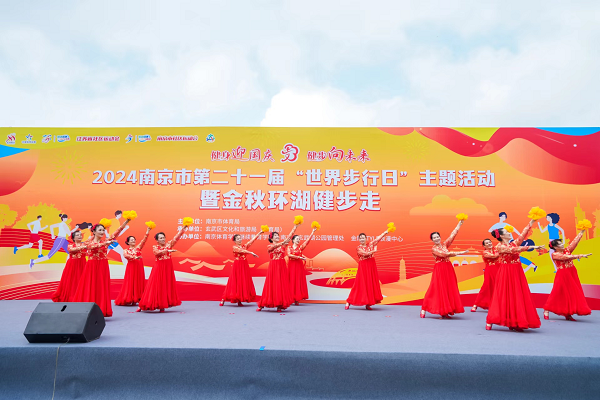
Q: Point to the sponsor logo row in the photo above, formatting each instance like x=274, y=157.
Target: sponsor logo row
x=11, y=138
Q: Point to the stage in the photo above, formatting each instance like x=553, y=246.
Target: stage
x=201, y=350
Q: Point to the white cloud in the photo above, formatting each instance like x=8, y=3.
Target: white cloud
x=142, y=63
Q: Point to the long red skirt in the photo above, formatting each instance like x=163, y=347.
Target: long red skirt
x=94, y=285
x=512, y=305
x=239, y=285
x=276, y=292
x=160, y=291
x=567, y=296
x=484, y=298
x=69, y=280
x=442, y=296
x=133, y=284
x=366, y=290
x=298, y=280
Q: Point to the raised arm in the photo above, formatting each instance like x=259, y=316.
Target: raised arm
x=450, y=239
x=289, y=237
x=525, y=234
x=308, y=240
x=542, y=228
x=140, y=246
x=178, y=236
x=378, y=238
x=253, y=240
x=122, y=232
x=118, y=231
x=52, y=229
x=574, y=242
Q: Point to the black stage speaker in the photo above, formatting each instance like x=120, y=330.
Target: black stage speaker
x=57, y=322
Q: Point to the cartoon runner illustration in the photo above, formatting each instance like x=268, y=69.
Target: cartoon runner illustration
x=115, y=246
x=501, y=224
x=34, y=227
x=553, y=231
x=60, y=241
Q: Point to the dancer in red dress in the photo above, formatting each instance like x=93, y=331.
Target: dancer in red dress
x=366, y=290
x=442, y=296
x=276, y=291
x=512, y=305
x=296, y=268
x=239, y=285
x=490, y=258
x=73, y=269
x=161, y=292
x=94, y=285
x=567, y=296
x=134, y=281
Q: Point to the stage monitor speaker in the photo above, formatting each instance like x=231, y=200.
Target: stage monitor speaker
x=59, y=322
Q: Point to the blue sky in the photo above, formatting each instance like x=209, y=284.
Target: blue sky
x=291, y=63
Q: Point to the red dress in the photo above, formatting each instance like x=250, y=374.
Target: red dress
x=366, y=290
x=239, y=285
x=297, y=272
x=276, y=292
x=442, y=296
x=567, y=296
x=484, y=298
x=94, y=285
x=512, y=305
x=134, y=281
x=161, y=291
x=71, y=274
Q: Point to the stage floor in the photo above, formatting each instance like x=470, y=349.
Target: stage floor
x=321, y=327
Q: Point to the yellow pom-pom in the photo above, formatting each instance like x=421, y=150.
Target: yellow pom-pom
x=129, y=215
x=536, y=213
x=187, y=221
x=509, y=228
x=298, y=219
x=316, y=225
x=462, y=217
x=583, y=225
x=106, y=222
x=391, y=228
x=264, y=228
x=151, y=224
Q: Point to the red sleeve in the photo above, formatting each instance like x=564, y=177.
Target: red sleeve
x=76, y=248
x=159, y=252
x=143, y=242
x=504, y=249
x=240, y=249
x=450, y=239
x=490, y=254
x=575, y=242
x=563, y=256
x=443, y=252
x=525, y=233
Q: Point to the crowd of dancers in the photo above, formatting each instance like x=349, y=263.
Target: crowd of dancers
x=505, y=292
